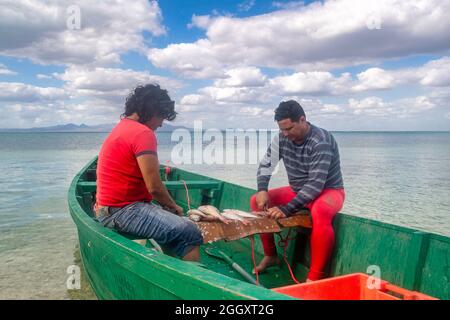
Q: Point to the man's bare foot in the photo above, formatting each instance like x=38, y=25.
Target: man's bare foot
x=266, y=262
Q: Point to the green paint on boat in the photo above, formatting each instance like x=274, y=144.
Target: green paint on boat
x=119, y=268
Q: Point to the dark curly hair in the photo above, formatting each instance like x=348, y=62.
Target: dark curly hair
x=289, y=110
x=148, y=101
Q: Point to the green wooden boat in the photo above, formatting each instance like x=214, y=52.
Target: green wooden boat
x=119, y=268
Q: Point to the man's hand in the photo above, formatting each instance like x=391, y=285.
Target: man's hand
x=275, y=213
x=179, y=210
x=175, y=209
x=262, y=200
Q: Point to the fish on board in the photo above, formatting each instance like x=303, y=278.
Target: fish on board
x=195, y=218
x=212, y=211
x=195, y=212
x=232, y=216
x=198, y=215
x=242, y=214
x=260, y=214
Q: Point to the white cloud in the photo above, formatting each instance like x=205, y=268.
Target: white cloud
x=41, y=114
x=370, y=113
x=288, y=4
x=374, y=78
x=301, y=43
x=194, y=60
x=441, y=94
x=331, y=109
x=38, y=30
x=371, y=106
x=201, y=22
x=5, y=71
x=246, y=5
x=311, y=83
x=242, y=77
x=43, y=76
x=111, y=84
x=234, y=95
x=240, y=88
x=319, y=35
x=21, y=92
x=419, y=104
x=375, y=106
x=436, y=73
x=252, y=111
x=90, y=95
x=193, y=99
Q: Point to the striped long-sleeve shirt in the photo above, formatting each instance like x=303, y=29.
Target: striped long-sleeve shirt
x=311, y=166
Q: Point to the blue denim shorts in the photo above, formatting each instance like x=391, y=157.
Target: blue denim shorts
x=150, y=221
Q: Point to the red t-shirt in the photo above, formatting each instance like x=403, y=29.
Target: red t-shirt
x=119, y=179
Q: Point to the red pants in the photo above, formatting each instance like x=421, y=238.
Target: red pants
x=323, y=209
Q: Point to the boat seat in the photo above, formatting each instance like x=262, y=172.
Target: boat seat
x=91, y=186
x=191, y=184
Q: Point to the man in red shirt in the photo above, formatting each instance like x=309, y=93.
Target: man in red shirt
x=128, y=177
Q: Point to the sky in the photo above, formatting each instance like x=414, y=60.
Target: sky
x=352, y=64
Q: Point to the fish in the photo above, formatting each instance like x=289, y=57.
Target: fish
x=232, y=216
x=197, y=214
x=260, y=214
x=212, y=211
x=208, y=209
x=195, y=217
x=242, y=213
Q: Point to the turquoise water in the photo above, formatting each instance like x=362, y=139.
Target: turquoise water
x=400, y=178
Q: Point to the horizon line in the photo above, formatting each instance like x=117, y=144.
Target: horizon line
x=36, y=130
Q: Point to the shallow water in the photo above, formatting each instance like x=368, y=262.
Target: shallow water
x=401, y=178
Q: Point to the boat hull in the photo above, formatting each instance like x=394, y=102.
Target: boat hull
x=119, y=268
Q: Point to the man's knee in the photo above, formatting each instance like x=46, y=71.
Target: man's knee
x=185, y=237
x=187, y=230
x=322, y=215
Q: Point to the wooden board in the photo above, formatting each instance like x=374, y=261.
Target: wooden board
x=214, y=231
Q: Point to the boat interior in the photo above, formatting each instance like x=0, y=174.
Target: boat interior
x=409, y=258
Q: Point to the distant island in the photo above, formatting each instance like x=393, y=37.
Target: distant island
x=83, y=128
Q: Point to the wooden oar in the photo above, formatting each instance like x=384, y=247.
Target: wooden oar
x=217, y=253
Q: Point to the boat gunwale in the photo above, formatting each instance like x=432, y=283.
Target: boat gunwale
x=396, y=227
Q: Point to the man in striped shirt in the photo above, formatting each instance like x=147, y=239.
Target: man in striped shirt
x=311, y=158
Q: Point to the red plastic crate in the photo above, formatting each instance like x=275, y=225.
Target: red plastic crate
x=349, y=287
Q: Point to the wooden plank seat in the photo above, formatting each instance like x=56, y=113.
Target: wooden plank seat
x=91, y=186
x=192, y=184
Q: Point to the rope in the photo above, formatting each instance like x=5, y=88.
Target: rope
x=167, y=171
x=187, y=194
x=284, y=243
x=252, y=240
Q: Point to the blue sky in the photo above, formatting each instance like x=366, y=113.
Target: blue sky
x=353, y=65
